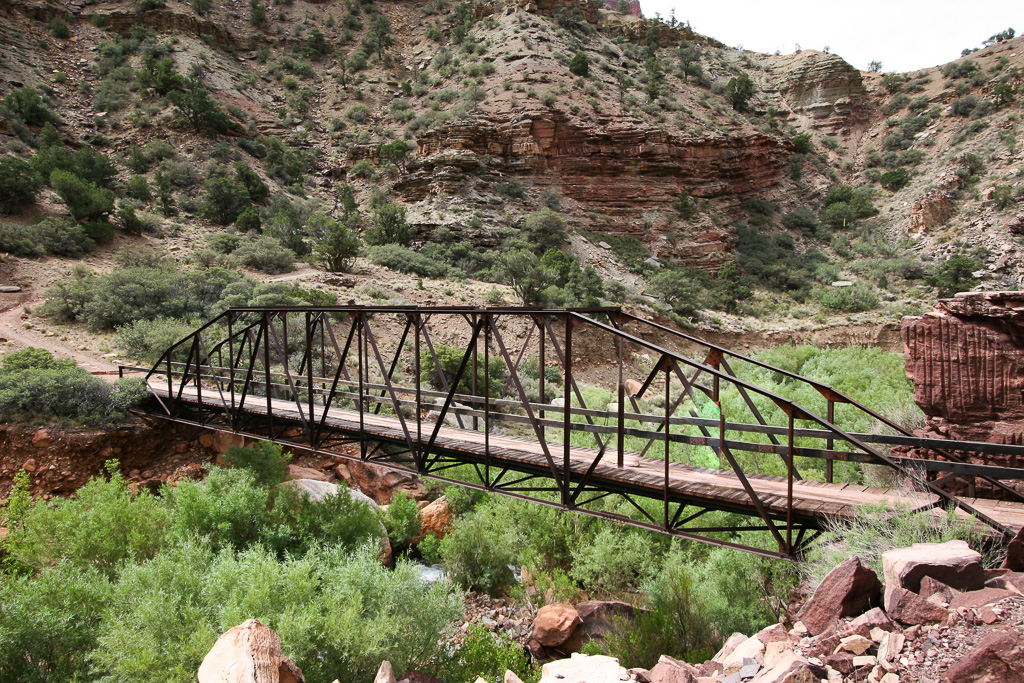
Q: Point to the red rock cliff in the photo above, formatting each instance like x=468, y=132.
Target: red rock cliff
x=966, y=360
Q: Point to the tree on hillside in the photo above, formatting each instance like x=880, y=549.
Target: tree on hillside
x=18, y=184
x=397, y=152
x=389, y=226
x=655, y=77
x=739, y=91
x=955, y=275
x=379, y=37
x=580, y=65
x=336, y=243
x=198, y=106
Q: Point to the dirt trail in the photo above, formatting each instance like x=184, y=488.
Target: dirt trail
x=12, y=329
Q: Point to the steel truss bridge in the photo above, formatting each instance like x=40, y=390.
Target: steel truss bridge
x=466, y=396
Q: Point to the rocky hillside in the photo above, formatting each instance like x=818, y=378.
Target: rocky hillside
x=772, y=189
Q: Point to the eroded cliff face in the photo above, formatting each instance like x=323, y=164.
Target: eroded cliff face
x=966, y=360
x=617, y=168
x=819, y=85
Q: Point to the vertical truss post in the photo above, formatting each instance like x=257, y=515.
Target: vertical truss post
x=567, y=416
x=419, y=397
x=266, y=372
x=668, y=381
x=622, y=409
x=789, y=487
x=830, y=442
x=543, y=400
x=473, y=388
x=231, y=369
x=358, y=322
x=309, y=378
x=488, y=320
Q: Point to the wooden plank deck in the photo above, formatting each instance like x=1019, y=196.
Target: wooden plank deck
x=719, y=489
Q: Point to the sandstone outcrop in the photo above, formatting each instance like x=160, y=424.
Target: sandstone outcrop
x=618, y=168
x=953, y=563
x=436, y=518
x=966, y=360
x=819, y=85
x=248, y=653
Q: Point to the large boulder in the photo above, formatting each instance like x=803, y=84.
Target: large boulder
x=910, y=608
x=847, y=591
x=953, y=563
x=248, y=653
x=600, y=617
x=584, y=669
x=379, y=482
x=300, y=472
x=555, y=624
x=1015, y=553
x=436, y=518
x=997, y=658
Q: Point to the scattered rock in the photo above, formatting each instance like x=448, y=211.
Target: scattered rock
x=385, y=674
x=299, y=472
x=791, y=668
x=600, y=617
x=248, y=653
x=1015, y=553
x=997, y=658
x=848, y=590
x=30, y=465
x=42, y=439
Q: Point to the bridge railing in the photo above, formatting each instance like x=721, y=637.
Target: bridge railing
x=431, y=381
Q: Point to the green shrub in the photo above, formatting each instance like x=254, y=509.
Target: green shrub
x=248, y=220
x=405, y=260
x=616, y=559
x=511, y=188
x=803, y=143
x=449, y=358
x=228, y=510
x=59, y=28
x=103, y=527
x=84, y=199
x=254, y=185
x=336, y=243
x=18, y=184
x=475, y=554
x=801, y=218
x=486, y=655
x=358, y=113
x=846, y=299
x=49, y=623
x=544, y=229
x=146, y=340
x=138, y=188
x=20, y=241
x=57, y=388
x=126, y=216
x=225, y=199
x=956, y=274
x=389, y=226
x=224, y=242
x=402, y=520
x=362, y=169
x=580, y=65
x=338, y=616
x=63, y=237
x=676, y=622
x=27, y=105
x=895, y=180
x=267, y=461
x=266, y=254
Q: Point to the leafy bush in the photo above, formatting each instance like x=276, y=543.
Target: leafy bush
x=58, y=388
x=18, y=184
x=336, y=243
x=405, y=260
x=801, y=218
x=267, y=461
x=228, y=510
x=138, y=188
x=147, y=339
x=224, y=242
x=266, y=254
x=224, y=200
x=956, y=274
x=358, y=113
x=50, y=622
x=402, y=520
x=389, y=226
x=27, y=105
x=616, y=559
x=895, y=180
x=544, y=229
x=580, y=65
x=476, y=556
x=846, y=299
x=803, y=143
x=20, y=240
x=84, y=200
x=103, y=527
x=254, y=185
x=449, y=358
x=362, y=169
x=486, y=655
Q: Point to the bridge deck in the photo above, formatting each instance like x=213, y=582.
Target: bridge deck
x=719, y=489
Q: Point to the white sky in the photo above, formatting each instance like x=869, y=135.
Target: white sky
x=903, y=34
